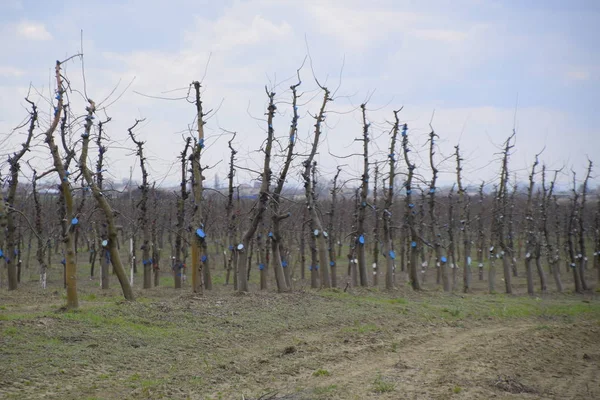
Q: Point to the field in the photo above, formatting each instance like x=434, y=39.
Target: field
x=309, y=344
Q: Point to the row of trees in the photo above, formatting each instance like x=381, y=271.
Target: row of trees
x=397, y=213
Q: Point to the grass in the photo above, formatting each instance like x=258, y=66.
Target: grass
x=224, y=344
x=321, y=372
x=361, y=329
x=325, y=390
x=380, y=385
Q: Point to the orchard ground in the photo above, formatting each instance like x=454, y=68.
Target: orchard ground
x=308, y=344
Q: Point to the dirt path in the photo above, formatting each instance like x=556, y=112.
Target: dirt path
x=507, y=360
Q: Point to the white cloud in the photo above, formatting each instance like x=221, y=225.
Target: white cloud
x=400, y=51
x=11, y=72
x=232, y=33
x=356, y=27
x=440, y=35
x=578, y=74
x=33, y=31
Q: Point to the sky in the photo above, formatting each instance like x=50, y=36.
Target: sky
x=475, y=69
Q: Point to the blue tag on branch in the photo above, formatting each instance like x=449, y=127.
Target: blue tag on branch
x=271, y=234
x=413, y=244
x=444, y=259
x=200, y=233
x=316, y=267
x=392, y=254
x=261, y=266
x=332, y=263
x=204, y=258
x=361, y=239
x=230, y=247
x=74, y=221
x=284, y=264
x=1, y=254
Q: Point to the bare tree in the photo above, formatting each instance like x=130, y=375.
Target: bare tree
x=436, y=237
x=409, y=217
x=376, y=238
x=464, y=200
x=553, y=253
x=362, y=209
x=333, y=236
x=178, y=267
x=11, y=228
x=102, y=243
x=481, y=248
x=65, y=187
x=531, y=237
x=200, y=272
x=143, y=209
x=388, y=203
x=282, y=274
x=499, y=222
x=263, y=196
x=582, y=255
x=572, y=223
x=107, y=210
x=231, y=216
x=309, y=190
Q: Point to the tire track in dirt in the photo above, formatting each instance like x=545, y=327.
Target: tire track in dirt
x=503, y=360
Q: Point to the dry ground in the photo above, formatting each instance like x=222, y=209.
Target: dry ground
x=310, y=344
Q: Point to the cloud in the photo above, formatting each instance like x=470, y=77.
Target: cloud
x=11, y=72
x=356, y=27
x=467, y=66
x=230, y=32
x=33, y=31
x=578, y=74
x=439, y=35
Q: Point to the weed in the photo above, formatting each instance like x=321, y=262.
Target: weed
x=89, y=297
x=381, y=386
x=11, y=331
x=361, y=328
x=321, y=372
x=325, y=389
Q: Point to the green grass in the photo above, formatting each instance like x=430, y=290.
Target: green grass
x=382, y=386
x=15, y=316
x=361, y=328
x=321, y=372
x=11, y=331
x=324, y=390
x=128, y=324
